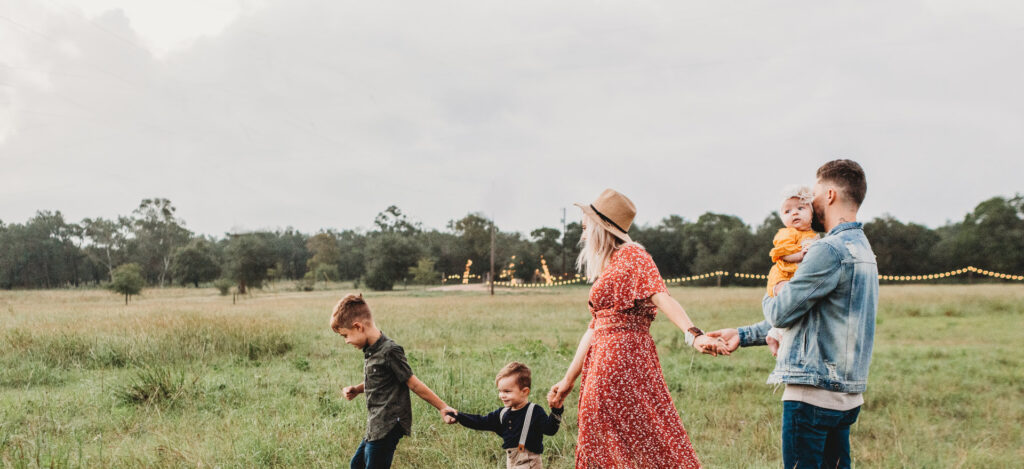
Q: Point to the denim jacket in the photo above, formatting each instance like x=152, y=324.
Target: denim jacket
x=829, y=309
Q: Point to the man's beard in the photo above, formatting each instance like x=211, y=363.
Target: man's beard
x=817, y=223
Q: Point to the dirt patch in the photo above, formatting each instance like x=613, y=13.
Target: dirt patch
x=467, y=287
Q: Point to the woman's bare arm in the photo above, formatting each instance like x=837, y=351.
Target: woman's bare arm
x=678, y=316
x=560, y=390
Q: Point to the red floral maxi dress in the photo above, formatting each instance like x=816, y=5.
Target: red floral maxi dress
x=626, y=415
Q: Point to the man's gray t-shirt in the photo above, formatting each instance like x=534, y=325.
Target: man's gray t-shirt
x=385, y=373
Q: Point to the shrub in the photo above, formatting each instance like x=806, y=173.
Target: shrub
x=223, y=285
x=154, y=385
x=127, y=280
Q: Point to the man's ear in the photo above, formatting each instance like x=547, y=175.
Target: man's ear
x=357, y=326
x=832, y=196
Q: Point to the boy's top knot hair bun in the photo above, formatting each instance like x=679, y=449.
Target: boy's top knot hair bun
x=352, y=308
x=797, y=191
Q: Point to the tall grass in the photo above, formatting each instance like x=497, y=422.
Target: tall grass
x=184, y=378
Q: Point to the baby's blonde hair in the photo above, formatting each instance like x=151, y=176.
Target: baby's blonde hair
x=796, y=191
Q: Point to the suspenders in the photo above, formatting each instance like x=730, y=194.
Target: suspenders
x=526, y=423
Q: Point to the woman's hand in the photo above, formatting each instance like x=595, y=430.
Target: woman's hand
x=558, y=392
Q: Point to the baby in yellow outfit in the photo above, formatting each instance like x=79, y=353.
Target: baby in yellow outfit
x=790, y=242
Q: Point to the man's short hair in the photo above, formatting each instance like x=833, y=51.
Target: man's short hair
x=519, y=370
x=352, y=308
x=847, y=175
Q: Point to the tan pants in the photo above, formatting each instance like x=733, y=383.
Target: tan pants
x=523, y=459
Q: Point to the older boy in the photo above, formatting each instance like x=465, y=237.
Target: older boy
x=387, y=382
x=520, y=423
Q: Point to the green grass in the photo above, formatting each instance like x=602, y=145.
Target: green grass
x=182, y=377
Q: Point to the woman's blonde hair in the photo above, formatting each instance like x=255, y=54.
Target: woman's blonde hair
x=596, y=247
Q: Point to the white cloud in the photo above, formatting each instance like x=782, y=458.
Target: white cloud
x=321, y=113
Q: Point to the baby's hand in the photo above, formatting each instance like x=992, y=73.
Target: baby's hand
x=773, y=345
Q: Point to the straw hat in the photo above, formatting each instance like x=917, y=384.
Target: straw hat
x=613, y=211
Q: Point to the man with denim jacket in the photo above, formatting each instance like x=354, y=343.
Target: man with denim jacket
x=829, y=307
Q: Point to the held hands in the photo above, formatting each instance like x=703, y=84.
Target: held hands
x=713, y=346
x=731, y=337
x=558, y=393
x=778, y=287
x=773, y=345
x=448, y=414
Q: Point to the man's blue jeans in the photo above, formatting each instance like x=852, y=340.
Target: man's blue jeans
x=814, y=437
x=377, y=454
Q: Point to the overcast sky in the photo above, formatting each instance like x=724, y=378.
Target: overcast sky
x=253, y=114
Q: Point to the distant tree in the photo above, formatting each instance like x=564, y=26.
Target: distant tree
x=474, y=232
x=70, y=236
x=42, y=253
x=290, y=253
x=445, y=248
x=392, y=220
x=127, y=280
x=571, y=244
x=389, y=257
x=547, y=243
x=325, y=256
x=757, y=261
x=665, y=242
x=423, y=272
x=352, y=259
x=249, y=256
x=720, y=242
x=158, y=233
x=991, y=237
x=195, y=263
x=107, y=240
x=901, y=249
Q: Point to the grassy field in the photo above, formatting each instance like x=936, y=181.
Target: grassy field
x=182, y=377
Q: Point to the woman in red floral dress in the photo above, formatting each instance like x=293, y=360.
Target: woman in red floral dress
x=626, y=416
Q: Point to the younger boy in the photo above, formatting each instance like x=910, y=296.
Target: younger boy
x=387, y=380
x=521, y=423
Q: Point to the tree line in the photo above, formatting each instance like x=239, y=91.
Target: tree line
x=48, y=251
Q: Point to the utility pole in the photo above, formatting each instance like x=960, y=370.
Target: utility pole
x=565, y=268
x=492, y=258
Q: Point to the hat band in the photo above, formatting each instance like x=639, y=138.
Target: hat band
x=609, y=220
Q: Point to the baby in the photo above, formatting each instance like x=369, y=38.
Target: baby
x=790, y=244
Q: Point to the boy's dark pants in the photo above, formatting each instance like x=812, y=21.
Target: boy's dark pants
x=815, y=437
x=377, y=454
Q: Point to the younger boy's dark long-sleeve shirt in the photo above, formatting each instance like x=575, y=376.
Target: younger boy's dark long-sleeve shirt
x=541, y=424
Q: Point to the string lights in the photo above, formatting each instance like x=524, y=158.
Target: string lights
x=547, y=274
x=951, y=273
x=465, y=276
x=550, y=281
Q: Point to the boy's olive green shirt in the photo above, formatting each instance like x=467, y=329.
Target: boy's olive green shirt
x=385, y=374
